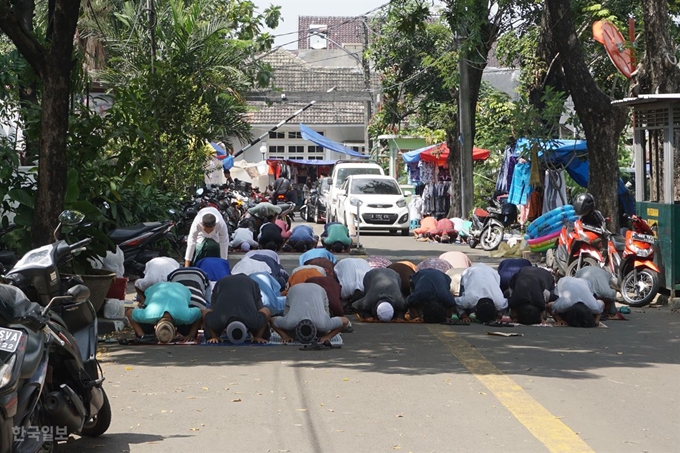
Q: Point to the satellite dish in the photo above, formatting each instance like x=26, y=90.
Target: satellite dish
x=614, y=43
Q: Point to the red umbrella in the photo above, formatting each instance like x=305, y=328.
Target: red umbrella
x=440, y=153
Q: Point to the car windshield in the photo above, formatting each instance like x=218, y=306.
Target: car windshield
x=343, y=173
x=375, y=187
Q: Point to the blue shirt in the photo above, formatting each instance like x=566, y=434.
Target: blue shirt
x=270, y=289
x=302, y=233
x=317, y=253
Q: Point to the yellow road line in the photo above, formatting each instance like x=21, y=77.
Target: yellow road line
x=544, y=426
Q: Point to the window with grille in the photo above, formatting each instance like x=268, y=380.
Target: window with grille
x=315, y=150
x=277, y=135
x=296, y=149
x=295, y=135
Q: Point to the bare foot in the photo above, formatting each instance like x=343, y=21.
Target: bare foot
x=215, y=340
x=260, y=340
x=465, y=320
x=324, y=339
x=560, y=323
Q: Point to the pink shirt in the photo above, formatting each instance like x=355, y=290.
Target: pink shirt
x=284, y=228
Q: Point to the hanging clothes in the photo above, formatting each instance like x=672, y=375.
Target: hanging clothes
x=535, y=209
x=441, y=197
x=555, y=194
x=428, y=172
x=504, y=179
x=519, y=189
x=413, y=172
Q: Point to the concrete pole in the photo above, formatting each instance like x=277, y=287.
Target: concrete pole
x=465, y=123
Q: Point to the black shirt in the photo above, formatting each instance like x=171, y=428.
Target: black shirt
x=528, y=286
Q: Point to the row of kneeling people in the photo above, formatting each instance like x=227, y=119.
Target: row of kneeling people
x=258, y=294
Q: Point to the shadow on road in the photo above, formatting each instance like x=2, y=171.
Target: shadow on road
x=411, y=349
x=120, y=442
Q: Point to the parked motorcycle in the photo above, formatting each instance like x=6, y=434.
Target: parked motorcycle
x=314, y=209
x=75, y=396
x=488, y=225
x=629, y=259
x=23, y=368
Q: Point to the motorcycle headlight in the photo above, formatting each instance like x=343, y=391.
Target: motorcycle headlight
x=643, y=253
x=6, y=371
x=401, y=203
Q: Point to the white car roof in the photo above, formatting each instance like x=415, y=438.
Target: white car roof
x=371, y=177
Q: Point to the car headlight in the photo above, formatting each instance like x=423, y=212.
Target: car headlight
x=401, y=203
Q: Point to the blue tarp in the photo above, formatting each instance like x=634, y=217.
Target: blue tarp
x=323, y=163
x=414, y=156
x=572, y=155
x=322, y=141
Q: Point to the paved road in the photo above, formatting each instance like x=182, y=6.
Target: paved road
x=405, y=387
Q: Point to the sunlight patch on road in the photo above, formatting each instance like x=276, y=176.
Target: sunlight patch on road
x=544, y=426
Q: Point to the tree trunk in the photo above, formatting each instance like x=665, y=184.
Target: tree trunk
x=602, y=122
x=52, y=63
x=548, y=74
x=456, y=208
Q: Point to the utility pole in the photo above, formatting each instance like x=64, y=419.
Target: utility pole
x=151, y=16
x=367, y=84
x=465, y=124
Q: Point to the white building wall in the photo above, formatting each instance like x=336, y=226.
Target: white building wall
x=288, y=144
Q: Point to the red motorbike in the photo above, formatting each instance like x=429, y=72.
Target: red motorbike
x=628, y=259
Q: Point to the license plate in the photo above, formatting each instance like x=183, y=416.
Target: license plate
x=380, y=217
x=9, y=339
x=648, y=238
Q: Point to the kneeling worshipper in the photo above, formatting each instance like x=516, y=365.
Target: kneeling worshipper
x=308, y=316
x=237, y=309
x=382, y=296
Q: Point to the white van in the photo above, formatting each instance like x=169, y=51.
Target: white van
x=341, y=170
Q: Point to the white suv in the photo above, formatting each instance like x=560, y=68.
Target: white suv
x=380, y=202
x=341, y=171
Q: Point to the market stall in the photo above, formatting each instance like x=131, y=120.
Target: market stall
x=300, y=172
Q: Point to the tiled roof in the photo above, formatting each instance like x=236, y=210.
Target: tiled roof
x=342, y=30
x=293, y=74
x=320, y=113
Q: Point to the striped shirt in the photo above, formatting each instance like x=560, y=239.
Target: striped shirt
x=197, y=282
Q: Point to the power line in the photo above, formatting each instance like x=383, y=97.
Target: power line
x=349, y=20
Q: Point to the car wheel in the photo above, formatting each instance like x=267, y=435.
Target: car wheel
x=405, y=232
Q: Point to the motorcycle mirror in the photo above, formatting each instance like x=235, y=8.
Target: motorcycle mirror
x=70, y=217
x=199, y=192
x=106, y=205
x=79, y=293
x=172, y=211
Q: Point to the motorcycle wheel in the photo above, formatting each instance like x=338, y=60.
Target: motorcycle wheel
x=289, y=220
x=491, y=237
x=98, y=425
x=587, y=261
x=304, y=213
x=315, y=218
x=639, y=287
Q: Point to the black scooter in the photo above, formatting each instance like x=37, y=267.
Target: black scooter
x=488, y=225
x=76, y=398
x=32, y=343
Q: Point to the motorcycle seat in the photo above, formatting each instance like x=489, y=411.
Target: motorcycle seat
x=34, y=351
x=284, y=206
x=619, y=242
x=123, y=234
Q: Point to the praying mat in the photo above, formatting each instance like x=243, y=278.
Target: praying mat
x=407, y=319
x=133, y=342
x=274, y=340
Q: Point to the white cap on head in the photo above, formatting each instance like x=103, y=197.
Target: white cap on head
x=385, y=311
x=245, y=246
